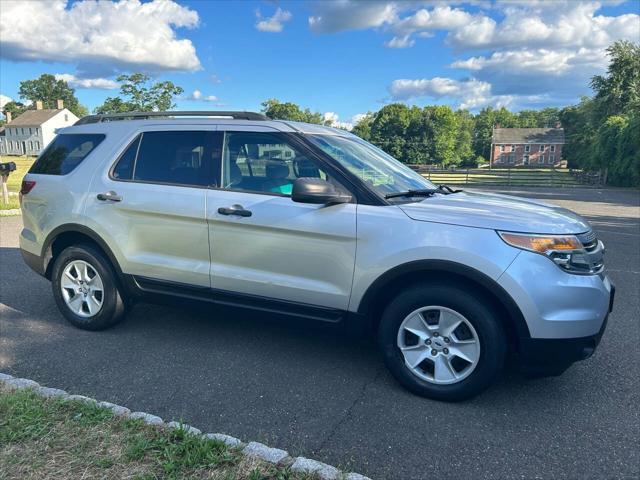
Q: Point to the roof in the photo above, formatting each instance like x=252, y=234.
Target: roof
x=33, y=117
x=123, y=127
x=528, y=135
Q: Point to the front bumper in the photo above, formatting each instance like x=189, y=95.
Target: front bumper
x=544, y=356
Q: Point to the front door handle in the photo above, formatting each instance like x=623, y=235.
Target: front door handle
x=234, y=210
x=109, y=196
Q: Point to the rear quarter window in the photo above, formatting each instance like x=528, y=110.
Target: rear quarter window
x=65, y=153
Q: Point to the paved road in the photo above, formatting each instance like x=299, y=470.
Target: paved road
x=315, y=393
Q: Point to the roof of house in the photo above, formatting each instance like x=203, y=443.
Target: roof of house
x=33, y=117
x=528, y=135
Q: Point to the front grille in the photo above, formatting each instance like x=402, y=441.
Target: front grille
x=588, y=240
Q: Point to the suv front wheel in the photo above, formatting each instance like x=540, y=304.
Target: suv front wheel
x=85, y=288
x=442, y=342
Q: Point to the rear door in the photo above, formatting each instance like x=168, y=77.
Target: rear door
x=151, y=204
x=284, y=250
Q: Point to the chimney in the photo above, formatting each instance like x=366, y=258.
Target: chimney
x=60, y=104
x=38, y=105
x=8, y=116
x=497, y=125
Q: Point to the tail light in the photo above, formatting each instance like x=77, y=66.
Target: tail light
x=25, y=188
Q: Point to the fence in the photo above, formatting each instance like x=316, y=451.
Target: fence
x=521, y=177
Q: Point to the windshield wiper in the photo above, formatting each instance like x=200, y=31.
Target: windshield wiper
x=427, y=192
x=446, y=189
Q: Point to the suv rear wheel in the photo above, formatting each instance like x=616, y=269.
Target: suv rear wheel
x=442, y=342
x=85, y=288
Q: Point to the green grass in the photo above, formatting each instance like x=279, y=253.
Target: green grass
x=23, y=164
x=54, y=438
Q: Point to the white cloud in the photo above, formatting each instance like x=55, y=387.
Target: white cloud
x=516, y=50
x=471, y=93
x=4, y=100
x=333, y=120
x=341, y=15
x=75, y=82
x=275, y=23
x=197, y=96
x=100, y=36
x=400, y=42
x=567, y=24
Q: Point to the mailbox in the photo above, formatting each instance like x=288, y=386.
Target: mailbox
x=7, y=167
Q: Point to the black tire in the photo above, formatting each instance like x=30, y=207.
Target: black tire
x=113, y=308
x=493, y=343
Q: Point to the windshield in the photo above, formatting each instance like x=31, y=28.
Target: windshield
x=380, y=171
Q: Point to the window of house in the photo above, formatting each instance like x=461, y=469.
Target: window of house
x=542, y=148
x=553, y=148
x=65, y=153
x=525, y=159
x=66, y=117
x=552, y=158
x=502, y=148
x=30, y=145
x=258, y=162
x=527, y=148
x=172, y=157
x=541, y=159
x=37, y=145
x=512, y=158
x=513, y=148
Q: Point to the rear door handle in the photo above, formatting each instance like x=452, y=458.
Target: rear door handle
x=235, y=210
x=109, y=196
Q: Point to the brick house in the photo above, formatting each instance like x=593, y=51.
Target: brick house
x=30, y=132
x=521, y=147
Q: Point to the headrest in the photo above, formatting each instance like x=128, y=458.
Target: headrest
x=277, y=170
x=235, y=174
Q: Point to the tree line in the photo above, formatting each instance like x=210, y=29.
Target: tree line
x=602, y=132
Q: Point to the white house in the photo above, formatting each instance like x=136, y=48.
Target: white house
x=29, y=133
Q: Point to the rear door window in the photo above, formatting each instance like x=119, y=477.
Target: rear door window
x=65, y=153
x=171, y=157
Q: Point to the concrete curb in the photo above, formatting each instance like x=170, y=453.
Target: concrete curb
x=251, y=449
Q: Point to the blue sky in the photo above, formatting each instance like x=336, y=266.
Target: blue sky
x=342, y=57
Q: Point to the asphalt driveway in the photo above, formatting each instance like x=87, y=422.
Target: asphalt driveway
x=314, y=393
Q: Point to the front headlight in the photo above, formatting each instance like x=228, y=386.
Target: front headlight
x=566, y=251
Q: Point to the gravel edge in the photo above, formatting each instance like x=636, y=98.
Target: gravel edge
x=251, y=449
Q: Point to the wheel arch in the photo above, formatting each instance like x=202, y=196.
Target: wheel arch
x=390, y=283
x=69, y=234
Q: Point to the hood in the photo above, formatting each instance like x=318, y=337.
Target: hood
x=497, y=212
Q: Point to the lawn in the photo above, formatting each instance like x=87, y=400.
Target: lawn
x=15, y=179
x=56, y=438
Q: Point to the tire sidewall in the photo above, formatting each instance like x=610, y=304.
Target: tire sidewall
x=111, y=301
x=474, y=309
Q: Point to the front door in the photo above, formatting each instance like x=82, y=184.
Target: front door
x=264, y=244
x=150, y=207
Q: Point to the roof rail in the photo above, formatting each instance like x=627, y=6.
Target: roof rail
x=146, y=115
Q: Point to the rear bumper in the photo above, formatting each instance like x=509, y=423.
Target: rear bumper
x=543, y=356
x=33, y=261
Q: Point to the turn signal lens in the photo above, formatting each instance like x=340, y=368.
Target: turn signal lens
x=542, y=243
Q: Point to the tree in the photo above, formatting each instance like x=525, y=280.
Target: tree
x=445, y=131
x=363, y=127
x=141, y=96
x=389, y=128
x=463, y=150
x=619, y=91
x=15, y=108
x=601, y=132
x=276, y=110
x=48, y=90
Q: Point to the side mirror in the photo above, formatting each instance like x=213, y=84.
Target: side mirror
x=318, y=191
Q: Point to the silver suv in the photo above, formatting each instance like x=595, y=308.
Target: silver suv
x=235, y=209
